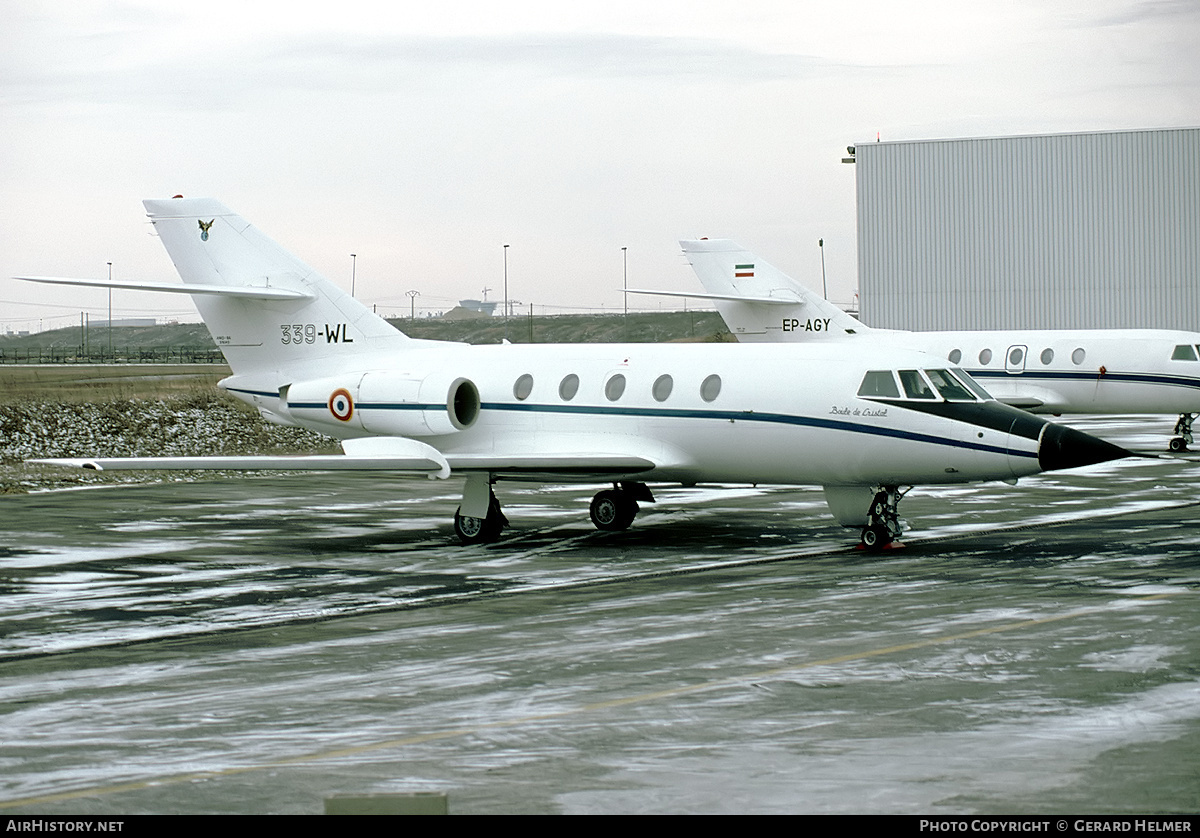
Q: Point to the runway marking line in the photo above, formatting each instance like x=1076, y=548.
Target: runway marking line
x=641, y=698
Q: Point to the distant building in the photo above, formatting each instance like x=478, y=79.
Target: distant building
x=1093, y=230
x=482, y=306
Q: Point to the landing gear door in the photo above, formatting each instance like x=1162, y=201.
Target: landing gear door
x=1014, y=359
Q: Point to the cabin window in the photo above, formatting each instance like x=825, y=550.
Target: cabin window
x=569, y=387
x=1047, y=356
x=710, y=388
x=985, y=357
x=662, y=388
x=955, y=356
x=523, y=387
x=1183, y=352
x=880, y=384
x=949, y=386
x=915, y=386
x=614, y=388
x=1077, y=356
x=1016, y=356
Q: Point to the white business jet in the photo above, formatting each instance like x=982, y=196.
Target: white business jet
x=1111, y=371
x=861, y=422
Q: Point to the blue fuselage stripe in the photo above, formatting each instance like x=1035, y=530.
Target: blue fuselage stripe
x=1190, y=382
x=1124, y=377
x=681, y=413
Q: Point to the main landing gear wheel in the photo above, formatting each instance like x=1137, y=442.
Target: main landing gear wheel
x=480, y=530
x=613, y=510
x=1184, y=428
x=883, y=519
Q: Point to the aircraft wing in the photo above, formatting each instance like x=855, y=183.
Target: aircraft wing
x=377, y=453
x=249, y=292
x=315, y=462
x=397, y=455
x=553, y=466
x=1023, y=402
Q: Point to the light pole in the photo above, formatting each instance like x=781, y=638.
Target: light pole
x=412, y=304
x=506, y=292
x=625, y=277
x=110, y=349
x=353, y=268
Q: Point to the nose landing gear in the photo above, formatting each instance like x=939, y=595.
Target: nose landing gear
x=883, y=519
x=1184, y=428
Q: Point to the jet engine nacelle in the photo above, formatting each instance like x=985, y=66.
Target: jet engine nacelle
x=386, y=403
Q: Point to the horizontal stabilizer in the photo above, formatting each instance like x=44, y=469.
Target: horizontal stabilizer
x=786, y=298
x=248, y=292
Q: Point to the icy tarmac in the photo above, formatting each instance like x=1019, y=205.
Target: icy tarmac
x=257, y=645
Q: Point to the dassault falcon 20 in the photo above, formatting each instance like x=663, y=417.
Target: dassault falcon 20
x=863, y=424
x=1104, y=371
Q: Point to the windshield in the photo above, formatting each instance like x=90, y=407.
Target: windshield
x=973, y=385
x=915, y=387
x=951, y=388
x=952, y=385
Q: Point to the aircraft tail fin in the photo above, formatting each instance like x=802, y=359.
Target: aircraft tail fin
x=741, y=284
x=255, y=322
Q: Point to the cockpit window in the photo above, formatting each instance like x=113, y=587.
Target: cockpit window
x=950, y=387
x=879, y=383
x=915, y=386
x=971, y=384
x=1183, y=352
x=953, y=385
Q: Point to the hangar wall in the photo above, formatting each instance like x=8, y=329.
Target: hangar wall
x=1063, y=231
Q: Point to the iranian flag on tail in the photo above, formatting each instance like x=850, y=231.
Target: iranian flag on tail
x=743, y=270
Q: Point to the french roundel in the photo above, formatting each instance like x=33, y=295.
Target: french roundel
x=341, y=405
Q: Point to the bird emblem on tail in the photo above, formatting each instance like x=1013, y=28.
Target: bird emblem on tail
x=204, y=225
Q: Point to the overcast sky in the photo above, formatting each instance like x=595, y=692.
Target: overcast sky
x=423, y=137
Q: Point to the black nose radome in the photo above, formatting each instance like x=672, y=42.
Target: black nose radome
x=1063, y=447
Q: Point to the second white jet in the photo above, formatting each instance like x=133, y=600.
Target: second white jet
x=1107, y=371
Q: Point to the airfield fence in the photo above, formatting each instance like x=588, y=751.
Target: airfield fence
x=120, y=355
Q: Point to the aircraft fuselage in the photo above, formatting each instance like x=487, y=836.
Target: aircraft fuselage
x=788, y=414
